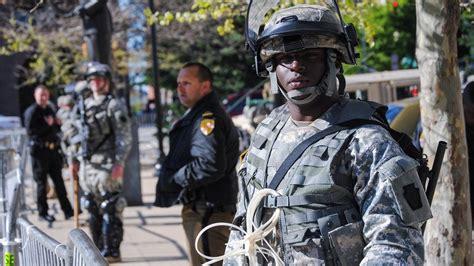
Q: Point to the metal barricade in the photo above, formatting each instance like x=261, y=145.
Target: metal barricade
x=22, y=242
x=38, y=249
x=84, y=252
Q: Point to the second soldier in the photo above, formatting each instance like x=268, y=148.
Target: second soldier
x=108, y=142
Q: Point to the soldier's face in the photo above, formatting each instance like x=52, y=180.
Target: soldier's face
x=98, y=84
x=190, y=88
x=300, y=69
x=41, y=97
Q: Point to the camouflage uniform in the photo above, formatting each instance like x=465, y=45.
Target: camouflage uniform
x=361, y=168
x=108, y=144
x=68, y=126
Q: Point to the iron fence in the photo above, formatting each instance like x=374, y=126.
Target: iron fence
x=84, y=252
x=37, y=248
x=22, y=242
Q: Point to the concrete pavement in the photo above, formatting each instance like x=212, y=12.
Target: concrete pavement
x=153, y=236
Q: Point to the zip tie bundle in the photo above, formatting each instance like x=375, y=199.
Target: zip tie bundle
x=249, y=244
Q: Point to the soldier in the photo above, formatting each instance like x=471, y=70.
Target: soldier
x=65, y=115
x=43, y=129
x=199, y=171
x=108, y=143
x=353, y=196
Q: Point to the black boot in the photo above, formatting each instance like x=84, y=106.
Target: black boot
x=112, y=231
x=112, y=226
x=95, y=220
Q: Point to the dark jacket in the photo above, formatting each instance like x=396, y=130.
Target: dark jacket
x=37, y=128
x=201, y=163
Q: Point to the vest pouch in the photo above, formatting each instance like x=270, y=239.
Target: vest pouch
x=302, y=237
x=347, y=243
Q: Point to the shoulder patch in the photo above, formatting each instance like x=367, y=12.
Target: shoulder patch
x=207, y=125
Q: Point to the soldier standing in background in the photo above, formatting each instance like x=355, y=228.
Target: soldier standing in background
x=108, y=143
x=43, y=130
x=67, y=118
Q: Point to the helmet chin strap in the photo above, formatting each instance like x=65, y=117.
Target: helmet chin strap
x=302, y=96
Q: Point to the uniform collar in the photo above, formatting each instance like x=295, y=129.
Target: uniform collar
x=328, y=118
x=99, y=98
x=210, y=99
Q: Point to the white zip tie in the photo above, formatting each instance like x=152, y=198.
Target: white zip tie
x=251, y=237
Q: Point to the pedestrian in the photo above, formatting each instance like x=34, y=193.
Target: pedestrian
x=353, y=196
x=107, y=145
x=43, y=130
x=199, y=170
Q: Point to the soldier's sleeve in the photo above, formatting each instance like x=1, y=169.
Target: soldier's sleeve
x=121, y=125
x=208, y=151
x=391, y=199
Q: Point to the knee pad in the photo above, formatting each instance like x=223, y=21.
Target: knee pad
x=113, y=203
x=88, y=203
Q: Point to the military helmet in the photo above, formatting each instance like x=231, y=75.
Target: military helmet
x=299, y=28
x=98, y=69
x=303, y=27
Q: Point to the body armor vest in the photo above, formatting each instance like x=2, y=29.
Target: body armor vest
x=317, y=190
x=100, y=127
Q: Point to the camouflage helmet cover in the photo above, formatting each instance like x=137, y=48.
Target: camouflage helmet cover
x=98, y=69
x=326, y=32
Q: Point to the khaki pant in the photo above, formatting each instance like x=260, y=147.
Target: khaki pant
x=216, y=237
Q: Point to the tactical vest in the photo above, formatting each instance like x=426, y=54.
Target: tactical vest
x=317, y=191
x=100, y=126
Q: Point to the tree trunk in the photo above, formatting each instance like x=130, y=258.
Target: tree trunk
x=448, y=234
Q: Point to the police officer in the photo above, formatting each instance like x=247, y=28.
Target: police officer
x=43, y=129
x=352, y=197
x=199, y=170
x=108, y=143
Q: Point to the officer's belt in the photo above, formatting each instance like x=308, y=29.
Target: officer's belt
x=50, y=145
x=213, y=207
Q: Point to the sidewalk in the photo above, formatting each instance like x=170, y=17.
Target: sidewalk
x=153, y=236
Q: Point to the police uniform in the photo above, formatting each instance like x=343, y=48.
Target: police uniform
x=46, y=157
x=200, y=172
x=108, y=143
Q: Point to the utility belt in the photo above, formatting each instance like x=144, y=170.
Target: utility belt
x=49, y=145
x=211, y=207
x=197, y=200
x=337, y=228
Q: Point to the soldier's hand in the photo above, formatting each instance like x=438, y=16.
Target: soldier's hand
x=117, y=171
